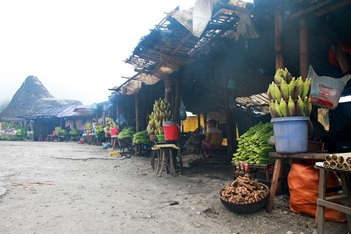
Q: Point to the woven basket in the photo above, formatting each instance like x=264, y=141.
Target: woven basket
x=245, y=208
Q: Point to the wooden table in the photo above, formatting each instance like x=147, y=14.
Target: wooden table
x=278, y=169
x=139, y=148
x=323, y=201
x=165, y=158
x=125, y=142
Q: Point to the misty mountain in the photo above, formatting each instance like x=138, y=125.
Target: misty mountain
x=30, y=98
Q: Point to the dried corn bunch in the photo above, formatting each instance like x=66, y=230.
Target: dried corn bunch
x=244, y=190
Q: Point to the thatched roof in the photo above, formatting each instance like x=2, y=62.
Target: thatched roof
x=228, y=48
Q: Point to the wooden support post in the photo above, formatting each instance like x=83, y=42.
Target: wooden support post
x=137, y=112
x=304, y=48
x=279, y=48
x=230, y=127
x=178, y=92
x=198, y=119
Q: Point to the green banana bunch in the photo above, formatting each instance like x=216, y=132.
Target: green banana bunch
x=306, y=87
x=161, y=113
x=283, y=108
x=300, y=107
x=289, y=96
x=291, y=107
x=284, y=90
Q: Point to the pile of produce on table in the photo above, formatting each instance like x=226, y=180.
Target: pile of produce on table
x=126, y=132
x=244, y=190
x=141, y=137
x=253, y=146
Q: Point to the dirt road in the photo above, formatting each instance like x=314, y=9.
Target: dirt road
x=65, y=187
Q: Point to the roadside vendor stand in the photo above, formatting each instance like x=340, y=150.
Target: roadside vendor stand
x=322, y=201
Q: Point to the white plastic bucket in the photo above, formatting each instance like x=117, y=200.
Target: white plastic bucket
x=291, y=134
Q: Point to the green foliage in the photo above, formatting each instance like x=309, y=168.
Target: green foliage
x=127, y=132
x=21, y=133
x=141, y=137
x=74, y=132
x=6, y=124
x=60, y=132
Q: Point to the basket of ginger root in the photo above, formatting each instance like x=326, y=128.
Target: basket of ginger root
x=244, y=195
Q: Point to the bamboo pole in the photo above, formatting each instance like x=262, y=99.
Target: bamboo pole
x=340, y=162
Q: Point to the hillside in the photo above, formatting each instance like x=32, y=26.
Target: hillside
x=31, y=97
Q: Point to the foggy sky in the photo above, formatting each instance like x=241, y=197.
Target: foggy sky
x=75, y=48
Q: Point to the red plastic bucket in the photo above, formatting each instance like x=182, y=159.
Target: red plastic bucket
x=171, y=131
x=114, y=131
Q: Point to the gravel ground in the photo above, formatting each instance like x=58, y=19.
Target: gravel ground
x=65, y=187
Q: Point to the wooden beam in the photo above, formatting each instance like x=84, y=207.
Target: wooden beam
x=182, y=42
x=332, y=7
x=309, y=9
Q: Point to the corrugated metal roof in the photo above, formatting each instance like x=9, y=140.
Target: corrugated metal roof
x=59, y=112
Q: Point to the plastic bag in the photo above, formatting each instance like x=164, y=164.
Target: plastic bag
x=182, y=111
x=303, y=181
x=121, y=120
x=325, y=90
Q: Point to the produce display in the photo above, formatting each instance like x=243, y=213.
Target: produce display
x=253, y=146
x=289, y=96
x=161, y=113
x=126, y=132
x=141, y=137
x=245, y=191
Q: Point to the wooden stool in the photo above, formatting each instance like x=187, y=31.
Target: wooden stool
x=125, y=143
x=164, y=158
x=323, y=201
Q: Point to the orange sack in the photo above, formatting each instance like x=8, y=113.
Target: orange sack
x=303, y=187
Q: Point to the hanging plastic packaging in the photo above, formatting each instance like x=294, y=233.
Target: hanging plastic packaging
x=325, y=90
x=182, y=111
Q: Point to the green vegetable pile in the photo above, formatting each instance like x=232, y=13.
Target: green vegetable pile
x=127, y=132
x=253, y=147
x=141, y=137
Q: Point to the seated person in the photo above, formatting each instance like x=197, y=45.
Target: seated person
x=214, y=138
